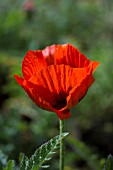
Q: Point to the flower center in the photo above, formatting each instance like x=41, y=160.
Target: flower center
x=60, y=101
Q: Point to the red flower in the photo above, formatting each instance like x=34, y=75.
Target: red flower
x=56, y=78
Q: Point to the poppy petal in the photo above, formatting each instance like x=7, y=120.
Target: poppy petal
x=62, y=114
x=24, y=84
x=54, y=84
x=57, y=78
x=48, y=84
x=95, y=64
x=19, y=79
x=31, y=93
x=69, y=55
x=48, y=53
x=77, y=93
x=33, y=63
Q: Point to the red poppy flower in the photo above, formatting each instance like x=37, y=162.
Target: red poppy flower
x=56, y=78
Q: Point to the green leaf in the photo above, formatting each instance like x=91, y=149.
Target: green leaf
x=10, y=165
x=109, y=163
x=42, y=154
x=24, y=159
x=85, y=153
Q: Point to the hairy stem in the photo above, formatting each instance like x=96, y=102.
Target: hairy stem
x=61, y=165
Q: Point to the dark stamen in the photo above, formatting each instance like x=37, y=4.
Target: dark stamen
x=60, y=101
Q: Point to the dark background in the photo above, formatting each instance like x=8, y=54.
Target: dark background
x=88, y=25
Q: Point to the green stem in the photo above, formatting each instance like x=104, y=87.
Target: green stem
x=61, y=165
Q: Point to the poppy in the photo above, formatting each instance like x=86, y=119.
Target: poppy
x=57, y=77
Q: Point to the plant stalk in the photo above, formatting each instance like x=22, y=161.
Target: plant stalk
x=61, y=164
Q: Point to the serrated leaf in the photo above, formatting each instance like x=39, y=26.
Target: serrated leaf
x=109, y=163
x=42, y=154
x=47, y=159
x=24, y=160
x=45, y=166
x=10, y=165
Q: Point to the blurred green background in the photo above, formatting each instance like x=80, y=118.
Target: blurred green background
x=25, y=25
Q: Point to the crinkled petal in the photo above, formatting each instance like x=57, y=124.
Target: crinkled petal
x=69, y=55
x=40, y=101
x=55, y=83
x=77, y=93
x=62, y=114
x=94, y=64
x=33, y=63
x=57, y=78
x=48, y=53
x=31, y=93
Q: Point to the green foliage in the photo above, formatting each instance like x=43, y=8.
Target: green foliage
x=81, y=21
x=38, y=159
x=109, y=163
x=85, y=153
x=34, y=163
x=3, y=159
x=10, y=165
x=42, y=154
x=88, y=25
